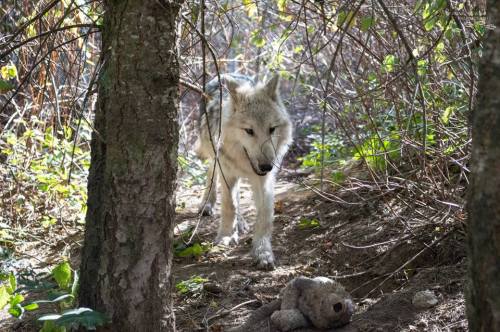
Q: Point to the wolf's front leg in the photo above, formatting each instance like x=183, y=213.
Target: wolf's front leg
x=210, y=194
x=228, y=232
x=264, y=202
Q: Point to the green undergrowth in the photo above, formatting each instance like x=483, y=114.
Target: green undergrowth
x=59, y=289
x=45, y=171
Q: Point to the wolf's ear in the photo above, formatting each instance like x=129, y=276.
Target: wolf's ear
x=232, y=86
x=272, y=87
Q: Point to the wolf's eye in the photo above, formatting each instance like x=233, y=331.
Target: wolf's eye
x=271, y=130
x=249, y=131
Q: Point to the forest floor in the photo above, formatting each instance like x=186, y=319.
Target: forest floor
x=352, y=236
x=381, y=260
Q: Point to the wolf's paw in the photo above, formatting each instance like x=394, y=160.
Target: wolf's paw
x=206, y=210
x=263, y=255
x=265, y=261
x=227, y=240
x=242, y=225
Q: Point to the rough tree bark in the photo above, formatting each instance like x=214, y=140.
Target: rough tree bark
x=126, y=259
x=483, y=298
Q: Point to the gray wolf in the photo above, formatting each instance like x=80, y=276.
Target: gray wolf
x=244, y=135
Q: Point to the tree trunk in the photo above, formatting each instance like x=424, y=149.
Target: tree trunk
x=127, y=259
x=483, y=296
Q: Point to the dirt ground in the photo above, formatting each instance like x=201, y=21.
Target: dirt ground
x=381, y=260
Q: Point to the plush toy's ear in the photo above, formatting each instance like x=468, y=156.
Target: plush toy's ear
x=272, y=87
x=232, y=86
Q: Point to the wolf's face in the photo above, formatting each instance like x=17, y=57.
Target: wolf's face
x=259, y=124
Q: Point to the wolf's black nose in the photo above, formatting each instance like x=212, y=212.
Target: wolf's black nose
x=265, y=167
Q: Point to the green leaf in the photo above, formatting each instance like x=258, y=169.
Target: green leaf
x=31, y=306
x=194, y=250
x=374, y=150
x=16, y=299
x=308, y=223
x=298, y=48
x=85, y=317
x=344, y=17
x=281, y=5
x=192, y=285
x=47, y=221
x=439, y=55
x=389, y=63
x=57, y=299
x=372, y=78
x=418, y=4
x=12, y=71
x=439, y=47
x=367, y=22
x=445, y=117
x=338, y=177
x=250, y=7
x=421, y=67
x=256, y=37
x=62, y=275
x=480, y=28
x=440, y=5
x=12, y=283
x=431, y=13
x=8, y=72
x=16, y=311
x=5, y=86
x=278, y=60
x=50, y=326
x=427, y=11
x=430, y=23
x=195, y=12
x=4, y=296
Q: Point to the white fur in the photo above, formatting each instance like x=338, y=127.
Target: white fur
x=235, y=154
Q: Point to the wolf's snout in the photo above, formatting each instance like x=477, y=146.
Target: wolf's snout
x=265, y=167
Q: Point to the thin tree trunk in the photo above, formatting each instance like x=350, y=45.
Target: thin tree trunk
x=483, y=296
x=126, y=259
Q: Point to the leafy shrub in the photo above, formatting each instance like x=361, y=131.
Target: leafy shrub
x=63, y=296
x=334, y=150
x=193, y=285
x=49, y=168
x=376, y=151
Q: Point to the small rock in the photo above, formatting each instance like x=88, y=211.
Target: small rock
x=424, y=299
x=212, y=288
